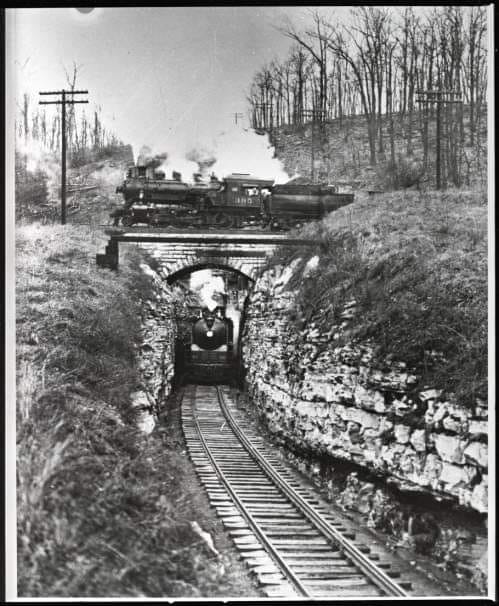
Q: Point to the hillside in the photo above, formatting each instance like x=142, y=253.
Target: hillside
x=90, y=186
x=341, y=150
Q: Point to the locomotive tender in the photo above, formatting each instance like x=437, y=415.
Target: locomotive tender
x=238, y=200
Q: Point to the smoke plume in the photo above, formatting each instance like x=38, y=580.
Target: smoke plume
x=36, y=158
x=233, y=150
x=147, y=158
x=207, y=287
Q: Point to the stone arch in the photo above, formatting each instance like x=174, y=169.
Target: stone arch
x=189, y=269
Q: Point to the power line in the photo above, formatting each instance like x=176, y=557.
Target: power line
x=63, y=100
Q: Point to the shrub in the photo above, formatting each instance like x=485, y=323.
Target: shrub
x=401, y=174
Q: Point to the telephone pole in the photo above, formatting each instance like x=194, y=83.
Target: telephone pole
x=317, y=116
x=439, y=98
x=238, y=115
x=64, y=100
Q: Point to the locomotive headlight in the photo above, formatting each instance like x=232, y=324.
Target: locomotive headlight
x=141, y=194
x=209, y=333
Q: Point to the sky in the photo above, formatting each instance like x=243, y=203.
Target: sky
x=161, y=75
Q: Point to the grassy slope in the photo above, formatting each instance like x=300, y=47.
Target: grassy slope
x=416, y=264
x=103, y=510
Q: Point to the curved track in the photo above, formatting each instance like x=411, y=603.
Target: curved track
x=293, y=544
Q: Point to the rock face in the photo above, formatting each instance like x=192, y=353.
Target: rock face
x=333, y=400
x=156, y=352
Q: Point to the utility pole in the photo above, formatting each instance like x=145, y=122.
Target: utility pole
x=238, y=115
x=63, y=100
x=439, y=98
x=317, y=116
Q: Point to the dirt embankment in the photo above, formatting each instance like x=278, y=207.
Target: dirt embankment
x=104, y=510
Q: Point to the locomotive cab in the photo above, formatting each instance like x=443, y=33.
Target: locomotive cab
x=246, y=191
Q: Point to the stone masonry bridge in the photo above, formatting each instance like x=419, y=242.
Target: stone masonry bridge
x=181, y=252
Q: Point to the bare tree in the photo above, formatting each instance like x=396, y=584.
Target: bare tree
x=474, y=65
x=374, y=66
x=315, y=41
x=71, y=125
x=388, y=52
x=361, y=47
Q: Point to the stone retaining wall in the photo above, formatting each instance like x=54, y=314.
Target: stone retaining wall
x=156, y=353
x=333, y=400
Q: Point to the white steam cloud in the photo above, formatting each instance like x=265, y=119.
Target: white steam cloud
x=37, y=158
x=244, y=151
x=206, y=286
x=233, y=150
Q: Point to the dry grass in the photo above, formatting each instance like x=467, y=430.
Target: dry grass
x=416, y=264
x=103, y=510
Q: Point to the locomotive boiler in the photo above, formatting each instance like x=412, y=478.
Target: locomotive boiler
x=209, y=350
x=239, y=200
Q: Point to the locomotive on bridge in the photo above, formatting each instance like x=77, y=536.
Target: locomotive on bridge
x=238, y=200
x=208, y=351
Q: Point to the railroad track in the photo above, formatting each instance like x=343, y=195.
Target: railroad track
x=292, y=543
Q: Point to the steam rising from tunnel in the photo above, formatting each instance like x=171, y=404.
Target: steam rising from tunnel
x=207, y=287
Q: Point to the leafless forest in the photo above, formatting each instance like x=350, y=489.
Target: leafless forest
x=383, y=62
x=86, y=134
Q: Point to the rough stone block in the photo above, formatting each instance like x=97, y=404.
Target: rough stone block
x=363, y=418
x=478, y=427
x=476, y=451
x=449, y=448
x=452, y=475
x=479, y=497
x=430, y=394
x=418, y=440
x=402, y=433
x=369, y=399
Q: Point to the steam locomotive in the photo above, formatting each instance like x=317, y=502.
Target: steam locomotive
x=208, y=354
x=239, y=200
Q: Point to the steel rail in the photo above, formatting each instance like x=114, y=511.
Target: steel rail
x=375, y=574
x=287, y=572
